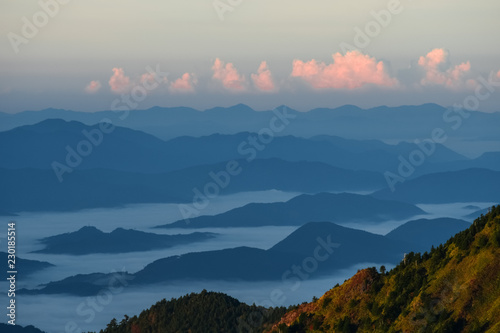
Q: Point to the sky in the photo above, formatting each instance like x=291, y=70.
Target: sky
x=83, y=54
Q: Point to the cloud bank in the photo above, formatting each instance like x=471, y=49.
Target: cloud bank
x=350, y=71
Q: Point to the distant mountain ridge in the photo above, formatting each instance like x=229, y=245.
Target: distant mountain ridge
x=38, y=146
x=470, y=185
x=341, y=208
x=118, y=241
x=425, y=233
x=332, y=247
x=406, y=122
x=26, y=189
x=4, y=213
x=24, y=266
x=472, y=216
x=7, y=328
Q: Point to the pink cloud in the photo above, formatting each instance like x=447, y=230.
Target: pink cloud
x=263, y=80
x=498, y=74
x=433, y=59
x=118, y=82
x=93, y=87
x=434, y=64
x=185, y=83
x=151, y=78
x=471, y=84
x=350, y=71
x=147, y=78
x=228, y=75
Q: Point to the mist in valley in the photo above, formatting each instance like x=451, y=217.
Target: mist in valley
x=39, y=310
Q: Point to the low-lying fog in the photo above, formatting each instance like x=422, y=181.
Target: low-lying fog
x=53, y=312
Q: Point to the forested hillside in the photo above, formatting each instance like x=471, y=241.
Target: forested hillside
x=198, y=313
x=453, y=288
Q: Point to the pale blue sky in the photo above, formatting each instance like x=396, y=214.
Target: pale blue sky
x=86, y=39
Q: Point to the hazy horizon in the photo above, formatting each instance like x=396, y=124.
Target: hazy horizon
x=304, y=109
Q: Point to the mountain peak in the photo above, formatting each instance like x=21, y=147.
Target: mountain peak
x=89, y=229
x=235, y=108
x=52, y=125
x=343, y=108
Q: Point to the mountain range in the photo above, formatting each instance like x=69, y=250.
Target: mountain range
x=25, y=267
x=340, y=208
x=81, y=166
x=336, y=247
x=470, y=185
x=7, y=328
x=28, y=189
x=385, y=123
x=39, y=145
x=118, y=241
x=425, y=233
x=313, y=250
x=452, y=288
